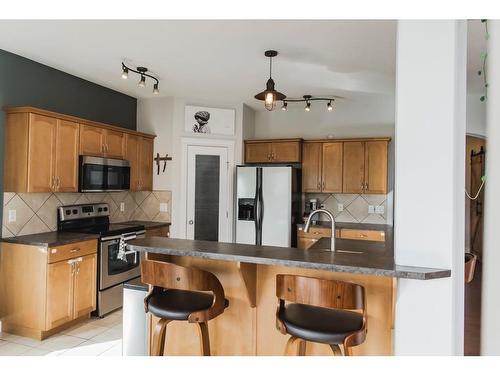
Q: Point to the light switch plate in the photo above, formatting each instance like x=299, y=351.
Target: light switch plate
x=379, y=209
x=12, y=216
x=340, y=207
x=371, y=209
x=122, y=206
x=163, y=207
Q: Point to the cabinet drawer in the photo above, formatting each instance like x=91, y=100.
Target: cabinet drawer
x=157, y=232
x=368, y=235
x=314, y=232
x=72, y=250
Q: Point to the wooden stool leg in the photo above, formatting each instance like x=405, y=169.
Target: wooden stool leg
x=292, y=348
x=302, y=347
x=159, y=337
x=204, y=338
x=347, y=351
x=336, y=350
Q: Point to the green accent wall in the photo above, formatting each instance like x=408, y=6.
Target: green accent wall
x=24, y=82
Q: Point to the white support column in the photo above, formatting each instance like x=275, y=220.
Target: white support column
x=429, y=185
x=490, y=322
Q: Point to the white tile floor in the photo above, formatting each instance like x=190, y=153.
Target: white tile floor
x=95, y=337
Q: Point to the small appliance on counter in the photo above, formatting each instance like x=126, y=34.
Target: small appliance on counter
x=312, y=206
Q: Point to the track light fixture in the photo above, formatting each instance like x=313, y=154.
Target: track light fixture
x=142, y=71
x=270, y=95
x=308, y=99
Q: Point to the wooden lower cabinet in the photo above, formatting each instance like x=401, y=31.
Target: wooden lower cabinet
x=306, y=240
x=158, y=232
x=41, y=296
x=84, y=286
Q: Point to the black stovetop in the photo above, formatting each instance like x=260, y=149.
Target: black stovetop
x=108, y=229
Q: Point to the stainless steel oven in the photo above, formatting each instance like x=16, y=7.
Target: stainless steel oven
x=103, y=174
x=116, y=269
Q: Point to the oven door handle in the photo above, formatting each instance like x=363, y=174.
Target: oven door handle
x=118, y=236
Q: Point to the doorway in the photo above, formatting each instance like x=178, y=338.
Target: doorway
x=207, y=193
x=474, y=204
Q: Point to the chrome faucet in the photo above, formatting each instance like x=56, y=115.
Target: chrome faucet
x=332, y=219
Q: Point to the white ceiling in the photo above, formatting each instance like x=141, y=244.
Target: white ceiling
x=219, y=60
x=223, y=60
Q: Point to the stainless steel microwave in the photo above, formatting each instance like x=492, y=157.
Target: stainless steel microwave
x=103, y=174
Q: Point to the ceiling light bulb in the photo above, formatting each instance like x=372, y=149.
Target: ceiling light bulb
x=308, y=107
x=329, y=106
x=269, y=101
x=155, y=89
x=142, y=82
x=284, y=106
x=124, y=72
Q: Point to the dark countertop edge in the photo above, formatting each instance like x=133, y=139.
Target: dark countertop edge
x=409, y=272
x=35, y=239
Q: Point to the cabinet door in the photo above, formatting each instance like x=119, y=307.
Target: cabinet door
x=132, y=155
x=311, y=167
x=146, y=164
x=332, y=167
x=85, y=286
x=282, y=152
x=115, y=144
x=304, y=243
x=257, y=152
x=66, y=170
x=91, y=140
x=41, y=153
x=354, y=167
x=59, y=294
x=376, y=167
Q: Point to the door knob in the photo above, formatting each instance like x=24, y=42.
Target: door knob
x=190, y=222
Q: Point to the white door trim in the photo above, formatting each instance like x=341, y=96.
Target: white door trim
x=206, y=142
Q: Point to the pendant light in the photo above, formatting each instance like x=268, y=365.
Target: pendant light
x=270, y=95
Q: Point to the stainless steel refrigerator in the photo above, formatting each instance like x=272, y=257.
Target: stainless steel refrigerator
x=268, y=204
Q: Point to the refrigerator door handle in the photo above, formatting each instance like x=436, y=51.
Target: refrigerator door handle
x=259, y=205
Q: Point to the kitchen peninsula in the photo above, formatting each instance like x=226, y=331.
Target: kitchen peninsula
x=248, y=275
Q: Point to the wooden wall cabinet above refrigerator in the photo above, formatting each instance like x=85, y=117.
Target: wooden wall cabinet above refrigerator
x=345, y=166
x=42, y=150
x=273, y=151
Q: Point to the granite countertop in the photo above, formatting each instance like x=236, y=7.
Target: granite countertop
x=360, y=257
x=50, y=239
x=147, y=224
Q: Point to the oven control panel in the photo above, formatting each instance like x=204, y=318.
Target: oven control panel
x=81, y=211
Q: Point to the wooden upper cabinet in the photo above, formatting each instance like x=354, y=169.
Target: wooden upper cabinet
x=257, y=152
x=84, y=290
x=311, y=167
x=66, y=159
x=376, y=167
x=332, y=161
x=114, y=144
x=96, y=141
x=59, y=294
x=146, y=164
x=91, y=140
x=132, y=155
x=354, y=167
x=41, y=154
x=286, y=152
x=273, y=151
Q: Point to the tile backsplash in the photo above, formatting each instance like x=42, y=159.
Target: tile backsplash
x=355, y=207
x=36, y=212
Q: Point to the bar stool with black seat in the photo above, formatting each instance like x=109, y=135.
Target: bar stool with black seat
x=181, y=293
x=330, y=312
